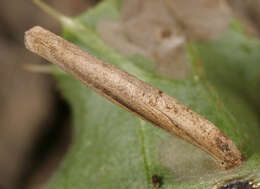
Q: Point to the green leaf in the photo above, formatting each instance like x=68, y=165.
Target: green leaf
x=113, y=149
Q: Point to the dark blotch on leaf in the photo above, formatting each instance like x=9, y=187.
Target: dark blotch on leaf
x=238, y=184
x=157, y=181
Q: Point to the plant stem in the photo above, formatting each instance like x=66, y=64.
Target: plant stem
x=134, y=95
x=55, y=14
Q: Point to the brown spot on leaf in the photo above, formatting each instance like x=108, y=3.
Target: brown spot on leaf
x=157, y=181
x=198, y=63
x=219, y=103
x=166, y=33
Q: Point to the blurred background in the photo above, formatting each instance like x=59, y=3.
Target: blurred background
x=35, y=129
x=34, y=119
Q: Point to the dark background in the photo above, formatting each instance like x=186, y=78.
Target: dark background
x=34, y=118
